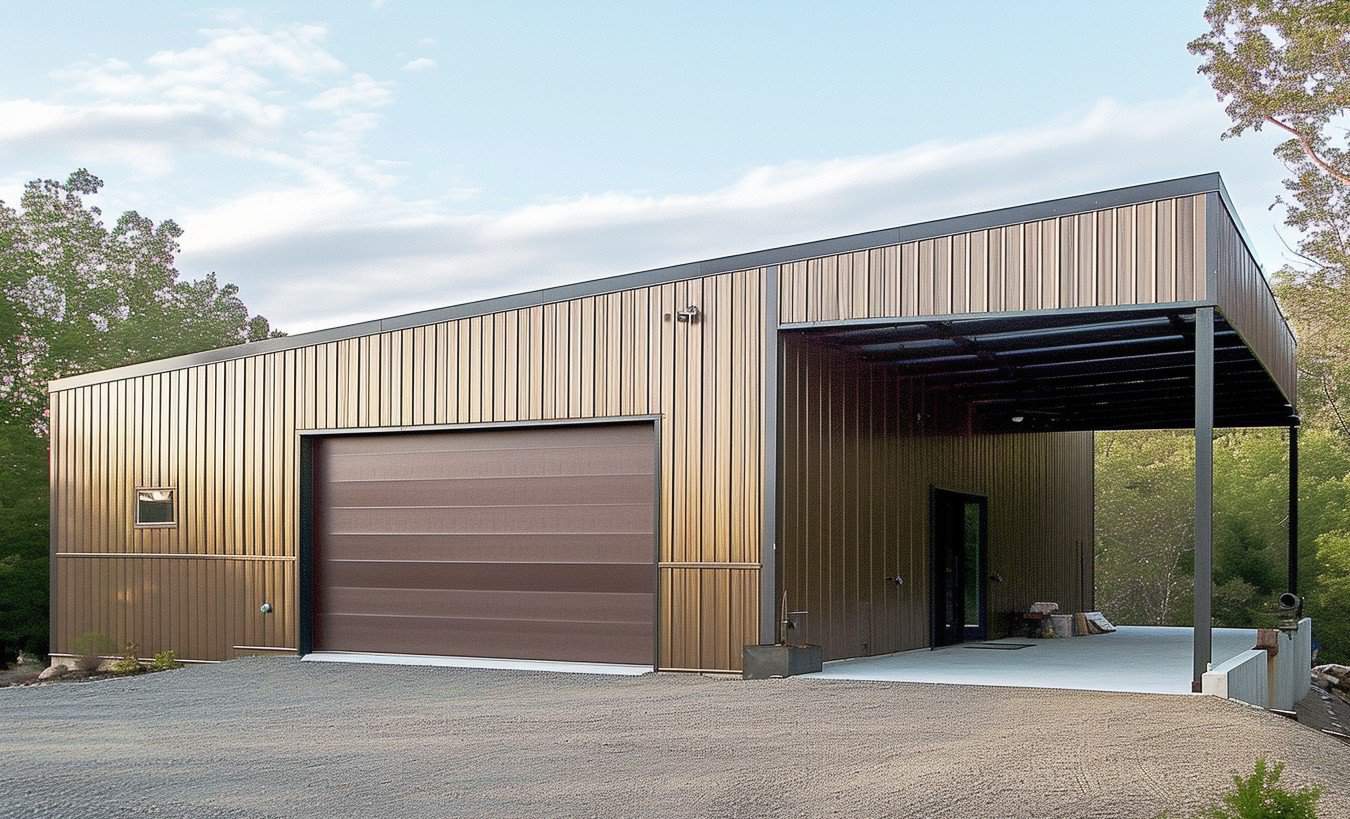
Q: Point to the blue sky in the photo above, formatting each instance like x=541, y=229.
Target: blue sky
x=347, y=162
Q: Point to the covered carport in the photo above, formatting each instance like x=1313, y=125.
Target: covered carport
x=1214, y=353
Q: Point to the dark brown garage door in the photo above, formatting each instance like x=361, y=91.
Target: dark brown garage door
x=527, y=543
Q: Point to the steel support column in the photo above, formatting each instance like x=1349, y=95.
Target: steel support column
x=1293, y=507
x=1204, y=492
x=768, y=540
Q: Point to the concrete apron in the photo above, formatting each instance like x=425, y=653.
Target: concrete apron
x=1134, y=659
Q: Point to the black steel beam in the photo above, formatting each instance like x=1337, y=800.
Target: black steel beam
x=1244, y=386
x=1103, y=368
x=1027, y=337
x=1293, y=508
x=1202, y=637
x=772, y=390
x=1082, y=350
x=978, y=324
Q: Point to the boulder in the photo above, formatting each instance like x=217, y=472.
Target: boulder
x=53, y=672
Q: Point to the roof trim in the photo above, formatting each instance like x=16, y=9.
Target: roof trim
x=1000, y=217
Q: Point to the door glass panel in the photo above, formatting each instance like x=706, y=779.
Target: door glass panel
x=970, y=563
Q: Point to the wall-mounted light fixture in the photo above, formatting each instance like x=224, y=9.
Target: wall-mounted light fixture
x=689, y=314
x=265, y=608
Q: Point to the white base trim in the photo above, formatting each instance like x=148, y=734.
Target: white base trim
x=372, y=658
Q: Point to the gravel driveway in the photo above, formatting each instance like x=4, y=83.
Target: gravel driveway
x=279, y=738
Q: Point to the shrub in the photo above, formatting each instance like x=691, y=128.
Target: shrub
x=128, y=664
x=165, y=660
x=1260, y=796
x=89, y=649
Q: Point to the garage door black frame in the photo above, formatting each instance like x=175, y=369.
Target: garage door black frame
x=309, y=438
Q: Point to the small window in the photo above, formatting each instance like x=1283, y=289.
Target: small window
x=154, y=507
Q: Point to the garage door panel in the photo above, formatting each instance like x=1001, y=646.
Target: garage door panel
x=590, y=547
x=520, y=518
x=470, y=603
x=636, y=487
x=569, y=577
x=554, y=461
x=536, y=640
x=636, y=436
x=530, y=543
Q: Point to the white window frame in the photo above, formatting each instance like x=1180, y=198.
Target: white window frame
x=173, y=507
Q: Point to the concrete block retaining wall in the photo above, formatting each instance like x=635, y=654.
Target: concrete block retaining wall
x=1290, y=668
x=1243, y=678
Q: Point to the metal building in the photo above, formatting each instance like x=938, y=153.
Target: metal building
x=891, y=431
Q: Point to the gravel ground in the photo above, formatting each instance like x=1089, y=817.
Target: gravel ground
x=279, y=738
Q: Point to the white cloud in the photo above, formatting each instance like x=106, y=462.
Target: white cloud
x=318, y=231
x=330, y=254
x=361, y=92
x=237, y=93
x=294, y=50
x=420, y=64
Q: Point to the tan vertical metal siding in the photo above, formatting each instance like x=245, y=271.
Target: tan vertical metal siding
x=225, y=435
x=856, y=470
x=1136, y=254
x=1244, y=297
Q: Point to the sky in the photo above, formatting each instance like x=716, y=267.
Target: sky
x=342, y=162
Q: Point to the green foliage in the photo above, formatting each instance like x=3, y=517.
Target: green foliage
x=77, y=295
x=1277, y=62
x=1260, y=796
x=127, y=663
x=1144, y=526
x=23, y=540
x=165, y=661
x=1145, y=545
x=1283, y=63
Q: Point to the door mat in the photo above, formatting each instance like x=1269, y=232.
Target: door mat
x=998, y=646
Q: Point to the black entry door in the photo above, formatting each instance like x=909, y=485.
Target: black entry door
x=960, y=567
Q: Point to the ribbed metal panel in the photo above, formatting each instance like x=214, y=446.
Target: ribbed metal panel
x=1244, y=297
x=861, y=448
x=1144, y=253
x=530, y=542
x=225, y=435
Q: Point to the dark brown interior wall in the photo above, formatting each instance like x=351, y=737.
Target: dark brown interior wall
x=861, y=449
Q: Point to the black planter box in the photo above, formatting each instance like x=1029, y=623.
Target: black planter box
x=764, y=662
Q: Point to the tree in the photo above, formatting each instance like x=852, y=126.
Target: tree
x=1286, y=64
x=1145, y=536
x=75, y=296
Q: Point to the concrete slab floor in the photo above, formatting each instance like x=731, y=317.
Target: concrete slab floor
x=1139, y=659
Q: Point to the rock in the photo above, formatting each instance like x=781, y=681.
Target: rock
x=53, y=672
x=1332, y=674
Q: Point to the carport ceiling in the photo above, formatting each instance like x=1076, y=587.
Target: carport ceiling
x=1072, y=371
